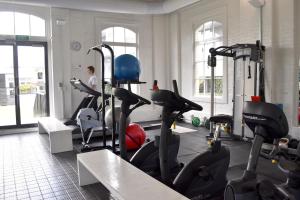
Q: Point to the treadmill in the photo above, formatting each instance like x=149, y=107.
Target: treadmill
x=101, y=127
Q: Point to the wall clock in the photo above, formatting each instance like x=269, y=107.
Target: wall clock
x=75, y=46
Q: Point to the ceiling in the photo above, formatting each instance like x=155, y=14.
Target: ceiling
x=151, y=0
x=118, y=6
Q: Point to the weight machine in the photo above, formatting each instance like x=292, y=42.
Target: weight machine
x=253, y=53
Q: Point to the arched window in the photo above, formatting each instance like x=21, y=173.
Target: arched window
x=123, y=41
x=15, y=23
x=207, y=35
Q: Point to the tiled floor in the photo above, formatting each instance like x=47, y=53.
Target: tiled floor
x=193, y=143
x=29, y=171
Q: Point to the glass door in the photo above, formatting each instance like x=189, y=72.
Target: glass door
x=25, y=82
x=7, y=86
x=32, y=83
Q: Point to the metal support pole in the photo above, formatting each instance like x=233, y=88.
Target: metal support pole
x=243, y=95
x=113, y=84
x=212, y=97
x=261, y=24
x=233, y=96
x=254, y=153
x=103, y=98
x=99, y=50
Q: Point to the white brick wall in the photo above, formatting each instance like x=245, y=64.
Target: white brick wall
x=85, y=27
x=166, y=48
x=279, y=23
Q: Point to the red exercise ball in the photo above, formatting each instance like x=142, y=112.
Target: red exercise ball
x=135, y=136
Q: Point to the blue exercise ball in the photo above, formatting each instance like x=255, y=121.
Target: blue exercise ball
x=127, y=68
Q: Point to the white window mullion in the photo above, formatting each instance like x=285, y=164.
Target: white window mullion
x=113, y=28
x=127, y=43
x=17, y=23
x=14, y=23
x=29, y=25
x=207, y=43
x=121, y=44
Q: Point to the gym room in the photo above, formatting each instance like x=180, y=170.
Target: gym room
x=150, y=99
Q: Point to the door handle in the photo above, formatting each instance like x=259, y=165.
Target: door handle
x=17, y=92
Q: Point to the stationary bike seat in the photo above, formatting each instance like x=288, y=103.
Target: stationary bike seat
x=129, y=97
x=221, y=119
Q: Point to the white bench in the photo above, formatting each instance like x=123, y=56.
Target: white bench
x=123, y=180
x=60, y=135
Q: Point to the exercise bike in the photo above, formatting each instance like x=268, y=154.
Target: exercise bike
x=146, y=158
x=289, y=163
x=268, y=122
x=202, y=178
x=205, y=176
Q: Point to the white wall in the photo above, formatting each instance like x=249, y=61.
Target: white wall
x=174, y=48
x=166, y=49
x=85, y=27
x=160, y=50
x=242, y=22
x=285, y=60
x=190, y=19
x=60, y=55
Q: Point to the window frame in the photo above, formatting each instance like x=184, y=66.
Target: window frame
x=124, y=44
x=207, y=98
x=132, y=28
x=31, y=37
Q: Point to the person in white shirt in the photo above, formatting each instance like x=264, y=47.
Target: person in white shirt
x=93, y=79
x=92, y=83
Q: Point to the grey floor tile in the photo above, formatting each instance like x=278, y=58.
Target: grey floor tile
x=29, y=171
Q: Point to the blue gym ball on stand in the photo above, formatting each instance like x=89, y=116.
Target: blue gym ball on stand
x=127, y=68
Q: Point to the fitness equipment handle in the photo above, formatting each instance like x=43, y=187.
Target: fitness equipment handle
x=192, y=105
x=79, y=85
x=96, y=48
x=126, y=95
x=175, y=88
x=145, y=101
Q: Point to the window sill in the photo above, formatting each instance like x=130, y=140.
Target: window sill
x=206, y=99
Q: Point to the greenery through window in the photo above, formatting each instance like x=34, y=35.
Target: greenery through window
x=15, y=23
x=208, y=35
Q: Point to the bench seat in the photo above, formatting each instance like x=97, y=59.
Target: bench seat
x=60, y=135
x=123, y=180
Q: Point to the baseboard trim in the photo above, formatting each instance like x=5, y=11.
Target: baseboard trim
x=17, y=131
